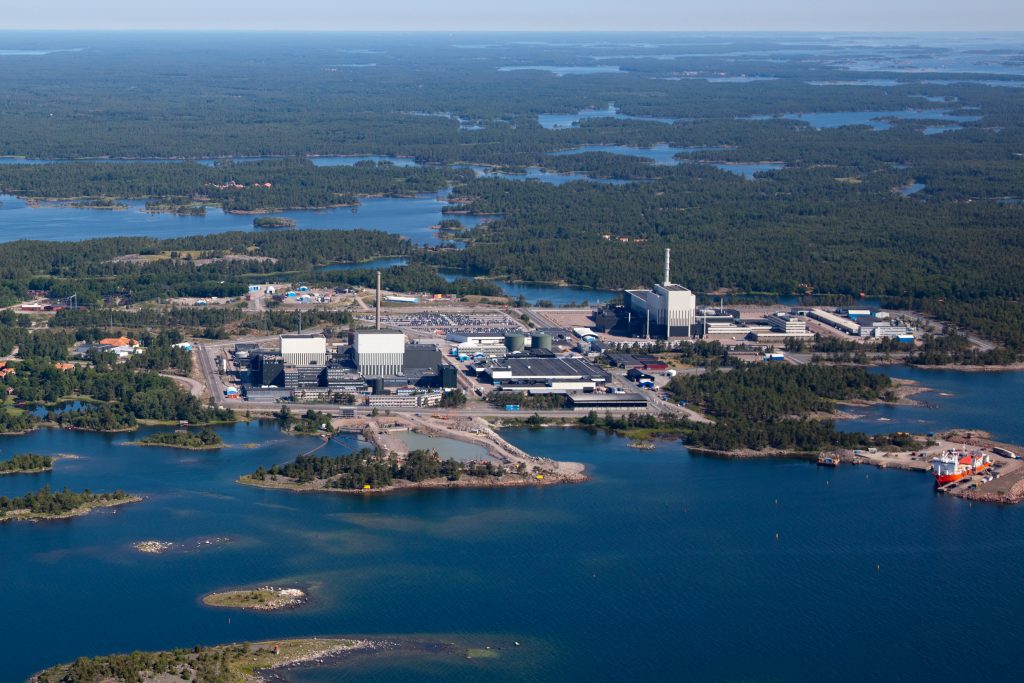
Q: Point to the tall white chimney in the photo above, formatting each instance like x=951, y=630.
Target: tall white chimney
x=668, y=257
x=378, y=301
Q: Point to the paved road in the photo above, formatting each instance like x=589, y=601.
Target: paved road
x=209, y=371
x=194, y=386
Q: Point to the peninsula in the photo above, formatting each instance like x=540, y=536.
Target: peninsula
x=233, y=663
x=391, y=465
x=45, y=504
x=26, y=463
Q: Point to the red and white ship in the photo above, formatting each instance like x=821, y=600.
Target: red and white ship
x=956, y=465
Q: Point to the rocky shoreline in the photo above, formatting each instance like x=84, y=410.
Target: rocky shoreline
x=464, y=482
x=27, y=516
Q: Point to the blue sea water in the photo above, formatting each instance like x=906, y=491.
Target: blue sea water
x=567, y=70
x=542, y=175
x=660, y=154
x=991, y=401
x=557, y=121
x=748, y=171
x=913, y=188
x=664, y=566
x=554, y=294
x=876, y=119
x=413, y=218
x=347, y=160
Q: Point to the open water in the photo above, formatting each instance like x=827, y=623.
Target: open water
x=413, y=218
x=664, y=567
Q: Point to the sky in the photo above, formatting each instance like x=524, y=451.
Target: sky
x=514, y=15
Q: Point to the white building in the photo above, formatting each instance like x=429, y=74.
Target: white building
x=490, y=342
x=379, y=352
x=304, y=349
x=672, y=309
x=666, y=310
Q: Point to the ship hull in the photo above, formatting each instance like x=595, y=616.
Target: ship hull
x=942, y=480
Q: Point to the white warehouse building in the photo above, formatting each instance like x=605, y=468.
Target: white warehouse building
x=378, y=353
x=304, y=349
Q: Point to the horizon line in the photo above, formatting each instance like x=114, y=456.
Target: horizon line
x=834, y=31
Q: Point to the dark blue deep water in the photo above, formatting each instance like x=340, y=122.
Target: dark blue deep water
x=663, y=567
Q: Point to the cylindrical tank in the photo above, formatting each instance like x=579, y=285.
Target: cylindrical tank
x=540, y=340
x=515, y=343
x=377, y=386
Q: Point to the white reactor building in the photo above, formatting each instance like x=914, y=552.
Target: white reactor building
x=379, y=353
x=304, y=349
x=666, y=310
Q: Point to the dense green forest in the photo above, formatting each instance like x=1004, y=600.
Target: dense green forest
x=765, y=391
x=760, y=406
x=251, y=186
x=832, y=221
x=120, y=395
x=26, y=462
x=204, y=439
x=48, y=502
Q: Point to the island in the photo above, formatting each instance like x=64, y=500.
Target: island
x=175, y=208
x=26, y=463
x=235, y=662
x=46, y=504
x=273, y=222
x=101, y=203
x=262, y=599
x=379, y=471
x=204, y=440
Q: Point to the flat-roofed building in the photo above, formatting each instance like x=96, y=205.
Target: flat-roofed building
x=610, y=402
x=840, y=323
x=567, y=374
x=304, y=349
x=379, y=353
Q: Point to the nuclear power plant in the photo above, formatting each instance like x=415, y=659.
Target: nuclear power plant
x=372, y=364
x=666, y=311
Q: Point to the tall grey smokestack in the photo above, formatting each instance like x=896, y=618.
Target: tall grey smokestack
x=668, y=257
x=378, y=299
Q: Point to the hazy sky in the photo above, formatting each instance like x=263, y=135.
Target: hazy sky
x=589, y=15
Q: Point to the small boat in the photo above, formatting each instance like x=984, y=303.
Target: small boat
x=828, y=460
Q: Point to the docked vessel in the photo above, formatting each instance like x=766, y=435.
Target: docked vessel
x=828, y=460
x=954, y=465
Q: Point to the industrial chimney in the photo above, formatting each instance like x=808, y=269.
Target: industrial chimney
x=668, y=256
x=378, y=300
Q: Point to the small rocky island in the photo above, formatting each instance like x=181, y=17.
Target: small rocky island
x=153, y=547
x=263, y=599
